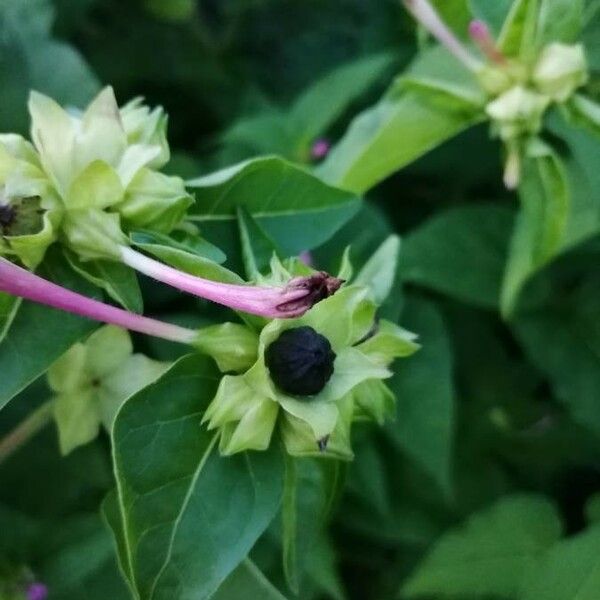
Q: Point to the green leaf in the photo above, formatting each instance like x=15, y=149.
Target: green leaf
x=395, y=132
x=257, y=247
x=246, y=582
x=490, y=554
x=560, y=21
x=189, y=516
x=460, y=252
x=493, y=13
x=310, y=489
x=379, y=272
x=30, y=56
x=422, y=383
x=180, y=240
x=293, y=207
x=324, y=101
x=563, y=341
x=9, y=305
x=186, y=261
x=569, y=571
x=517, y=38
x=39, y=335
x=117, y=280
x=583, y=112
x=540, y=226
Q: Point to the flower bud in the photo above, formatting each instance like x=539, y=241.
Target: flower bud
x=517, y=112
x=560, y=70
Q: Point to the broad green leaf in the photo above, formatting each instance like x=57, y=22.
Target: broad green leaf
x=30, y=57
x=490, y=554
x=460, y=252
x=39, y=335
x=180, y=240
x=583, y=112
x=395, y=132
x=569, y=571
x=517, y=38
x=294, y=208
x=379, y=272
x=189, y=516
x=117, y=280
x=563, y=341
x=455, y=13
x=247, y=581
x=560, y=21
x=310, y=489
x=9, y=305
x=422, y=383
x=257, y=247
x=323, y=102
x=493, y=13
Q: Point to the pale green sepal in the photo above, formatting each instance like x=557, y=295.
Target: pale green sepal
x=97, y=186
x=334, y=317
x=77, y=419
x=155, y=201
x=93, y=234
x=53, y=134
x=560, y=70
x=107, y=349
x=147, y=127
x=232, y=400
x=299, y=438
x=133, y=374
x=234, y=347
x=320, y=416
x=134, y=159
x=101, y=135
x=373, y=400
x=346, y=270
x=31, y=248
x=351, y=368
x=388, y=343
x=68, y=373
x=253, y=431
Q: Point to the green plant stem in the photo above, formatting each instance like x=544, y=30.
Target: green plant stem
x=25, y=430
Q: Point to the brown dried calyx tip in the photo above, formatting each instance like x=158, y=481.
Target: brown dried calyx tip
x=317, y=287
x=7, y=216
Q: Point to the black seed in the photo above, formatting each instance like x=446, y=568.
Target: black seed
x=322, y=443
x=7, y=215
x=300, y=361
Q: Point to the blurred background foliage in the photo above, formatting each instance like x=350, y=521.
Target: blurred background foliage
x=488, y=410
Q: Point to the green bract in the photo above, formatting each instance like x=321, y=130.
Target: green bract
x=92, y=380
x=248, y=406
x=93, y=174
x=29, y=210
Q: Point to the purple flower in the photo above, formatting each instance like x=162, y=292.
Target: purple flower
x=36, y=591
x=320, y=149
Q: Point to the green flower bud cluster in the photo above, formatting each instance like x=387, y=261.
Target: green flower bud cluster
x=308, y=378
x=522, y=93
x=87, y=179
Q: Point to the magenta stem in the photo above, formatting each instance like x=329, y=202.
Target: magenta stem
x=19, y=282
x=272, y=302
x=425, y=14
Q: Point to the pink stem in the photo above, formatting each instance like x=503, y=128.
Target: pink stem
x=19, y=282
x=481, y=35
x=293, y=300
x=425, y=14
